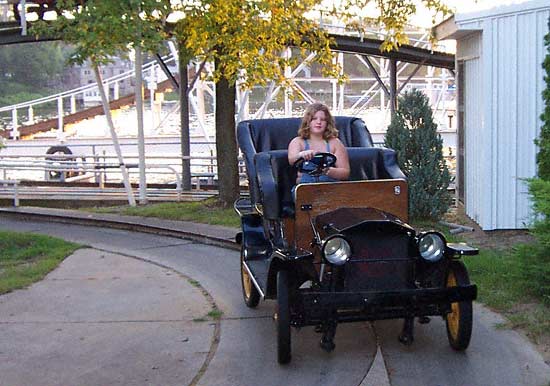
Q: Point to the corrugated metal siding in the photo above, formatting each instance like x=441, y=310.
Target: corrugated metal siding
x=508, y=76
x=473, y=148
x=469, y=51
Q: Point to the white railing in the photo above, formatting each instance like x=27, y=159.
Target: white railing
x=154, y=77
x=15, y=189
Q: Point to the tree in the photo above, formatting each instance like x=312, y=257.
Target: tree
x=413, y=135
x=100, y=30
x=539, y=188
x=28, y=69
x=543, y=141
x=246, y=39
x=393, y=16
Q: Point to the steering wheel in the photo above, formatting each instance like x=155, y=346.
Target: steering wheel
x=315, y=166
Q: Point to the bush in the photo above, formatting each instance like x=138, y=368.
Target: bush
x=539, y=188
x=413, y=135
x=543, y=156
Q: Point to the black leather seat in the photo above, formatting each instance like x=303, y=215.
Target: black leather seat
x=375, y=163
x=260, y=135
x=264, y=144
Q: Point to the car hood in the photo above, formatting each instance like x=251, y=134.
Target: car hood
x=343, y=219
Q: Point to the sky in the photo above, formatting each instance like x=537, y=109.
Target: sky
x=423, y=18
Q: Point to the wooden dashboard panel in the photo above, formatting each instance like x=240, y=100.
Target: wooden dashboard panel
x=387, y=195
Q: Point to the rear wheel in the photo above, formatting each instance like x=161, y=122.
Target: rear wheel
x=459, y=320
x=283, y=318
x=250, y=292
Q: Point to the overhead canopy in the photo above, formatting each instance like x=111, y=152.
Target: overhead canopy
x=406, y=53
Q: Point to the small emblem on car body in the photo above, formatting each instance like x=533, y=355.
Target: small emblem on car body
x=397, y=190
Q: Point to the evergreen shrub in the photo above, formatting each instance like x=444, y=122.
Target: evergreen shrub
x=539, y=188
x=413, y=135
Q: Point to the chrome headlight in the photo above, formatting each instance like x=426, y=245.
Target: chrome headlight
x=336, y=249
x=431, y=246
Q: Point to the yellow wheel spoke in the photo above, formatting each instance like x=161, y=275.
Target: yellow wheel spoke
x=453, y=318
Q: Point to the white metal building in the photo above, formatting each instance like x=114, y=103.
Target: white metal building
x=499, y=55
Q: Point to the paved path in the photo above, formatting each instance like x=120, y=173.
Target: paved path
x=245, y=352
x=103, y=318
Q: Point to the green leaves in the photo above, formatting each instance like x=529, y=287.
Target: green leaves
x=543, y=141
x=102, y=29
x=249, y=38
x=392, y=16
x=413, y=134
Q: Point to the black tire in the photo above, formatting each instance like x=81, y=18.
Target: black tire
x=283, y=318
x=459, y=321
x=251, y=295
x=51, y=156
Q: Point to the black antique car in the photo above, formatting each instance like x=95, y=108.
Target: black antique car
x=343, y=251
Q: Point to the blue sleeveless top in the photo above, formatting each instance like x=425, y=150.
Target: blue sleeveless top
x=306, y=178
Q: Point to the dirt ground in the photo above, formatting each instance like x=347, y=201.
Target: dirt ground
x=499, y=239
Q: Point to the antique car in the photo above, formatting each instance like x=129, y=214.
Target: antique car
x=334, y=252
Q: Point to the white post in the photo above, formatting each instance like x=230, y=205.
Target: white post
x=16, y=193
x=106, y=90
x=334, y=88
x=174, y=52
x=23, y=16
x=107, y=111
x=342, y=85
x=31, y=115
x=116, y=91
x=60, y=134
x=141, y=134
x=14, y=131
x=288, y=76
x=152, y=86
x=73, y=104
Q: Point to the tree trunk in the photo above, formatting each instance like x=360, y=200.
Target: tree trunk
x=226, y=143
x=184, y=120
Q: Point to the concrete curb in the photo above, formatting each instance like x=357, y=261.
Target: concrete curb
x=206, y=234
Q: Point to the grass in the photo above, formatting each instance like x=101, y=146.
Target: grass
x=26, y=258
x=513, y=282
x=214, y=314
x=206, y=211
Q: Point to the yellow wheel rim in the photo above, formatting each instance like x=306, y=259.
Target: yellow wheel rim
x=453, y=317
x=247, y=283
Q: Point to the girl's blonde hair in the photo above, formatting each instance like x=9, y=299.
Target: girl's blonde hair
x=311, y=110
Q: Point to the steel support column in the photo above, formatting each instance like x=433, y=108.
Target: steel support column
x=393, y=85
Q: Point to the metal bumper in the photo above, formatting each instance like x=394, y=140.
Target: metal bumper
x=375, y=305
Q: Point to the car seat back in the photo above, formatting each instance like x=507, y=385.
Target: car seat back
x=264, y=135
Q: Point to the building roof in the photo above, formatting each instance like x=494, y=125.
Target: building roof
x=465, y=23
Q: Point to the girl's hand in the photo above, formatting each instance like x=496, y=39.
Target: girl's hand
x=306, y=154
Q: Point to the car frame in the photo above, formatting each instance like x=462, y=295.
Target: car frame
x=335, y=252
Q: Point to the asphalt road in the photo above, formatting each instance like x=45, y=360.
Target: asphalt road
x=246, y=352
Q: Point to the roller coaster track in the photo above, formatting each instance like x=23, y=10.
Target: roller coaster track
x=52, y=123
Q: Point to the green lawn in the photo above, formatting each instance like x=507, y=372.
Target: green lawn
x=515, y=283
x=26, y=258
x=205, y=211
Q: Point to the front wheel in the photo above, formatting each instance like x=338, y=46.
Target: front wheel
x=283, y=318
x=459, y=320
x=250, y=292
